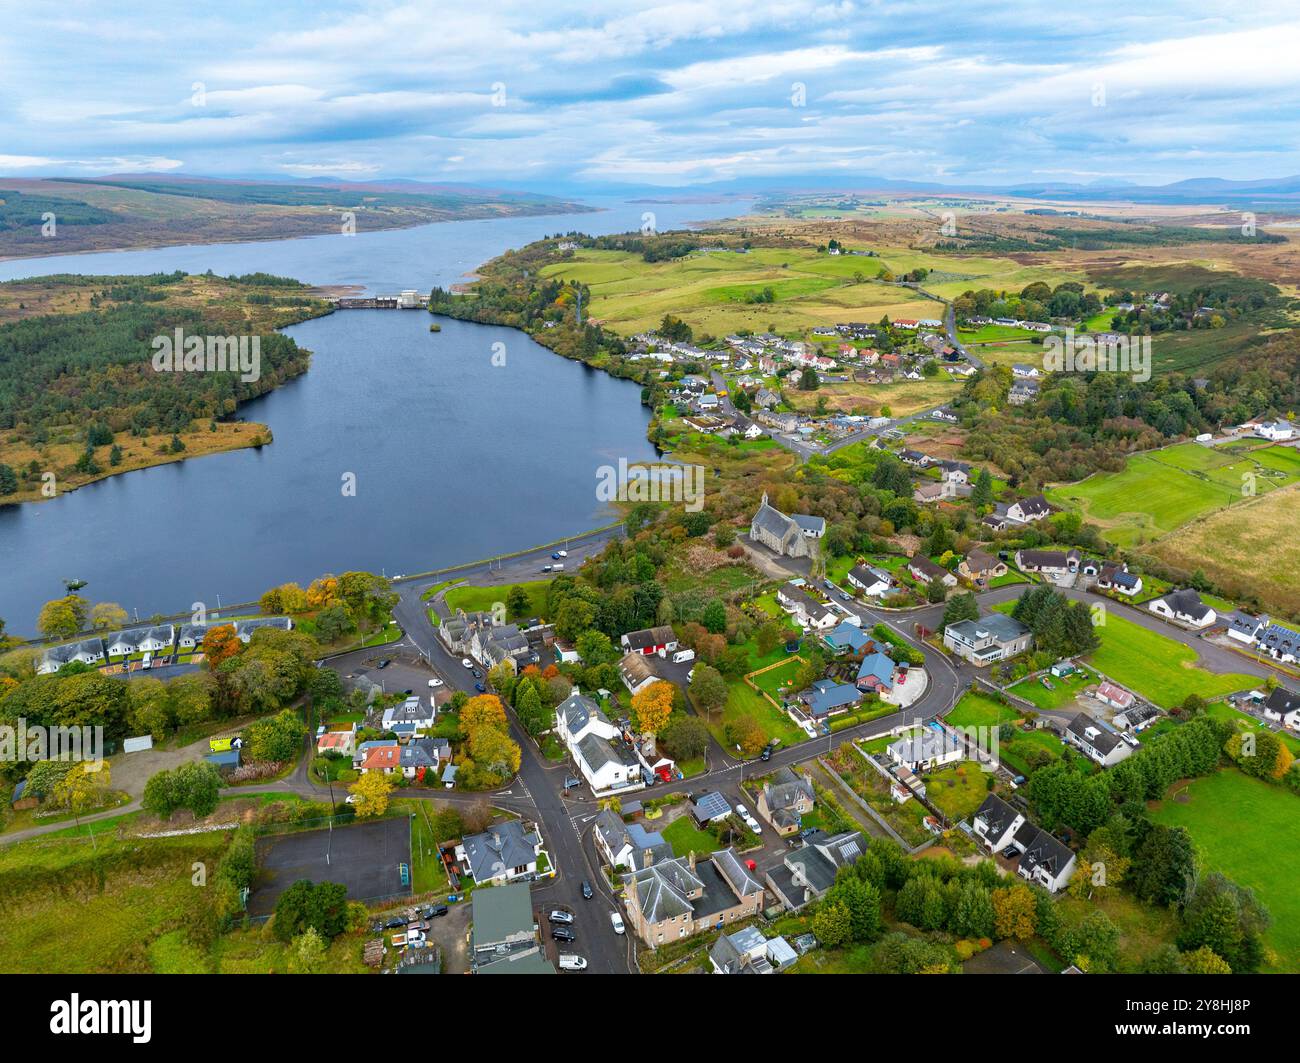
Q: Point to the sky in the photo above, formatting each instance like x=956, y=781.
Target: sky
x=561, y=95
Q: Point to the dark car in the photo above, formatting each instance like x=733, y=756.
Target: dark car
x=480, y=688
x=766, y=754
x=393, y=924
x=586, y=889
x=563, y=933
x=1010, y=852
x=384, y=663
x=477, y=673
x=408, y=693
x=434, y=913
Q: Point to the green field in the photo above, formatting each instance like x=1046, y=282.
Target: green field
x=1161, y=670
x=979, y=710
x=482, y=599
x=710, y=291
x=1241, y=827
x=1159, y=491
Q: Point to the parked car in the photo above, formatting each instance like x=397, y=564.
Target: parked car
x=384, y=663
x=480, y=688
x=559, y=915
x=561, y=553
x=477, y=674
x=441, y=910
x=586, y=890
x=393, y=924
x=435, y=682
x=563, y=933
x=555, y=556
x=1010, y=852
x=546, y=568
x=616, y=921
x=766, y=754
x=570, y=962
x=465, y=662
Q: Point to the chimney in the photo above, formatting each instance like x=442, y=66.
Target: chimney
x=690, y=860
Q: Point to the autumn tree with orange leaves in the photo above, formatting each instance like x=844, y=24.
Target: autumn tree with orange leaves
x=652, y=706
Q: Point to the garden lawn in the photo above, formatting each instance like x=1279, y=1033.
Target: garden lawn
x=980, y=710
x=1241, y=827
x=683, y=836
x=1161, y=670
x=957, y=791
x=481, y=599
x=1063, y=690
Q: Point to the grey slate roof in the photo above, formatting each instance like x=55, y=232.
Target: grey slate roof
x=499, y=849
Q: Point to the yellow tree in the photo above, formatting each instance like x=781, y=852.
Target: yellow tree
x=494, y=751
x=83, y=788
x=485, y=710
x=371, y=792
x=1015, y=913
x=220, y=644
x=652, y=707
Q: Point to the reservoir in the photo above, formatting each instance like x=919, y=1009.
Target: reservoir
x=400, y=450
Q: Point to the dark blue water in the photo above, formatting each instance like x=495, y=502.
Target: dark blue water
x=454, y=458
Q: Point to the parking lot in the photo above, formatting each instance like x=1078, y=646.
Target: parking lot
x=364, y=857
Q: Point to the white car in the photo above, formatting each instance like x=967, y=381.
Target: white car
x=435, y=682
x=754, y=825
x=563, y=553
x=466, y=662
x=616, y=921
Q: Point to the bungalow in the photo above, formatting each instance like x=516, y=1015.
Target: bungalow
x=635, y=673
x=677, y=898
x=924, y=570
x=1023, y=391
x=807, y=872
x=914, y=458
x=1049, y=562
x=994, y=637
x=785, y=798
x=1136, y=718
x=344, y=742
x=747, y=951
x=829, y=698
x=1115, y=696
x=1027, y=510
x=87, y=651
x=1021, y=369
x=1243, y=627
x=1280, y=643
x=1046, y=860
x=1185, y=607
x=565, y=653
x=1275, y=430
x=995, y=823
x=246, y=628
x=979, y=566
x=603, y=758
x=1097, y=740
x=806, y=609
x=427, y=753
x=924, y=494
x=926, y=747
x=1285, y=704
x=191, y=636
x=650, y=641
x=504, y=852
x=628, y=846
x=1117, y=577
x=957, y=472
x=709, y=807
x=876, y=674
x=141, y=640
x=869, y=579
x=383, y=757
x=847, y=637
x=944, y=413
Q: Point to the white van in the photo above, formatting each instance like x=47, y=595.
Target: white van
x=558, y=567
x=569, y=962
x=681, y=656
x=148, y=660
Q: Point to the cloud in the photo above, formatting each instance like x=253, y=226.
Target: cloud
x=662, y=91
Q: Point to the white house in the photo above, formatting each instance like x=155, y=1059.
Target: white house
x=1096, y=740
x=649, y=641
x=1243, y=627
x=926, y=747
x=1026, y=510
x=87, y=651
x=1185, y=607
x=635, y=673
x=1275, y=430
x=597, y=746
x=995, y=823
x=869, y=579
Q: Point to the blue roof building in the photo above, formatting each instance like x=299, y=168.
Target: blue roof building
x=876, y=673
